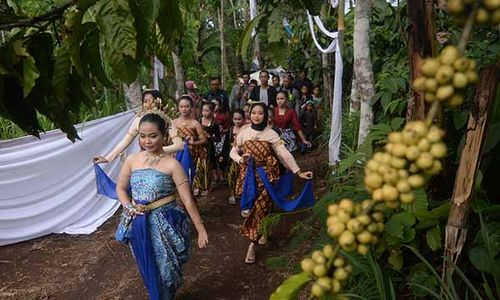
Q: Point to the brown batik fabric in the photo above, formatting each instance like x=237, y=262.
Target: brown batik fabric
x=199, y=155
x=263, y=156
x=232, y=177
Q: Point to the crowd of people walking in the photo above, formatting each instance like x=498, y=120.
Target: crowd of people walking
x=255, y=128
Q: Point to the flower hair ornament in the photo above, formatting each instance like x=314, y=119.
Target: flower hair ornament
x=253, y=102
x=157, y=110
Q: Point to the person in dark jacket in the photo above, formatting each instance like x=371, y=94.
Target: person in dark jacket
x=264, y=92
x=299, y=82
x=217, y=92
x=308, y=119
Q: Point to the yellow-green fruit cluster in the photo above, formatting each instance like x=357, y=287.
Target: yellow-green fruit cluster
x=355, y=226
x=393, y=174
x=445, y=78
x=488, y=11
x=329, y=269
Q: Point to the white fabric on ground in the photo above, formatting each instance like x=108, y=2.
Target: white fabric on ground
x=48, y=185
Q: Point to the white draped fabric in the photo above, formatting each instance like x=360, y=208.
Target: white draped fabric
x=253, y=13
x=48, y=185
x=336, y=123
x=256, y=47
x=158, y=73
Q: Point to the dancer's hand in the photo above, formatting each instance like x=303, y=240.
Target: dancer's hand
x=202, y=238
x=308, y=144
x=132, y=211
x=190, y=140
x=245, y=157
x=99, y=159
x=306, y=175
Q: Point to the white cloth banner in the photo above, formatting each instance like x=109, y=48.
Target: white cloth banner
x=48, y=185
x=336, y=123
x=158, y=73
x=253, y=13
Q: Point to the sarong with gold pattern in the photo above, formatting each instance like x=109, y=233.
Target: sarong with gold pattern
x=263, y=156
x=232, y=177
x=200, y=157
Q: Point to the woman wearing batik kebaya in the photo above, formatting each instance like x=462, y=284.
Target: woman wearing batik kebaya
x=265, y=147
x=192, y=132
x=159, y=230
x=151, y=100
x=212, y=131
x=237, y=120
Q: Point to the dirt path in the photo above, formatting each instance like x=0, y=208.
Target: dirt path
x=95, y=266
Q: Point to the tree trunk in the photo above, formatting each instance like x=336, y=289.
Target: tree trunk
x=341, y=25
x=223, y=64
x=421, y=44
x=362, y=66
x=180, y=77
x=326, y=66
x=355, y=101
x=456, y=229
x=256, y=47
x=234, y=13
x=133, y=94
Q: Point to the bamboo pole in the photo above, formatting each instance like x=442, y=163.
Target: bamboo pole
x=457, y=226
x=326, y=61
x=340, y=29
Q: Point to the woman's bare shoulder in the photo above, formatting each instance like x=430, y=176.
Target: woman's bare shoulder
x=169, y=164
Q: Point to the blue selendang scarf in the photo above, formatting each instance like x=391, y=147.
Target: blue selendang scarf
x=107, y=187
x=144, y=254
x=278, y=192
x=186, y=160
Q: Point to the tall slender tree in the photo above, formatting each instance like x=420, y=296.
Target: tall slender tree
x=363, y=73
x=180, y=76
x=421, y=44
x=326, y=65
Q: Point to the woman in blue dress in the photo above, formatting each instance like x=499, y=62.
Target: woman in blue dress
x=159, y=230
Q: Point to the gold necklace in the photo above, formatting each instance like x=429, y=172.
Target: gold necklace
x=152, y=160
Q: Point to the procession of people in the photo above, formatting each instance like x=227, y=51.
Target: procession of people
x=244, y=141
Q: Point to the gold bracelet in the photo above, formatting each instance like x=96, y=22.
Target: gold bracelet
x=184, y=181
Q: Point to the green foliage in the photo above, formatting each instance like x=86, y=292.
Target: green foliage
x=246, y=36
x=422, y=223
x=390, y=60
x=290, y=288
x=277, y=262
x=116, y=24
x=269, y=223
x=108, y=102
x=448, y=288
x=369, y=280
x=52, y=62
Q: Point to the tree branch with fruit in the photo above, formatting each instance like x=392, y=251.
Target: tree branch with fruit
x=406, y=163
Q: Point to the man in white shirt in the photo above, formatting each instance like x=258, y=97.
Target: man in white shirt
x=264, y=92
